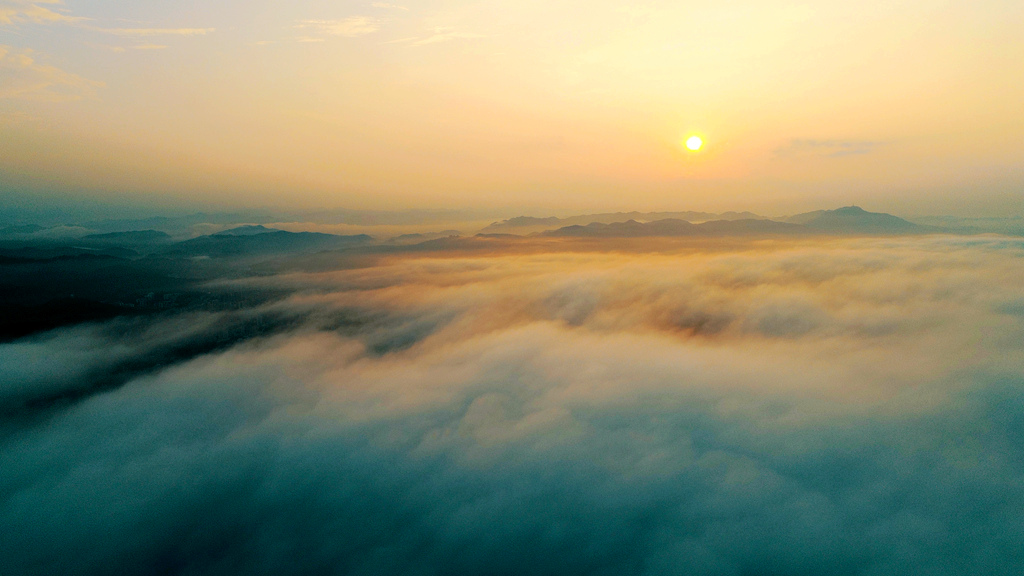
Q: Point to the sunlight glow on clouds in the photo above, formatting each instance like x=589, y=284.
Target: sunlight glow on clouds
x=346, y=27
x=16, y=11
x=159, y=31
x=557, y=408
x=441, y=34
x=23, y=77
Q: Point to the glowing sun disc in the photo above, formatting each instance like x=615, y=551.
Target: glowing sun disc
x=694, y=143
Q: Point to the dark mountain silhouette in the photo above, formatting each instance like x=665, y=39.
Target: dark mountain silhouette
x=676, y=227
x=520, y=221
x=855, y=220
x=529, y=224
x=48, y=250
x=248, y=230
x=23, y=229
x=254, y=243
x=406, y=239
x=177, y=225
x=630, y=228
x=133, y=237
x=748, y=227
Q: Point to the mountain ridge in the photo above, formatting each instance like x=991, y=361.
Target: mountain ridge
x=528, y=224
x=677, y=227
x=855, y=220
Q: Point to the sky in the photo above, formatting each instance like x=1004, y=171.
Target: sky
x=907, y=106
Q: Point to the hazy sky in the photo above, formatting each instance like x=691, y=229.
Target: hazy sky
x=911, y=105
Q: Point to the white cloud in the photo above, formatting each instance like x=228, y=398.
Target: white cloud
x=143, y=32
x=347, y=27
x=26, y=79
x=441, y=34
x=16, y=11
x=804, y=407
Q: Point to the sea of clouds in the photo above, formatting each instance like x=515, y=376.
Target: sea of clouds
x=849, y=406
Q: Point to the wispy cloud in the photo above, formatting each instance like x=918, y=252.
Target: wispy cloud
x=16, y=11
x=18, y=117
x=347, y=27
x=120, y=49
x=23, y=78
x=827, y=148
x=441, y=34
x=144, y=32
x=387, y=6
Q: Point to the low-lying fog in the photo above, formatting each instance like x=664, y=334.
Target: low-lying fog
x=725, y=407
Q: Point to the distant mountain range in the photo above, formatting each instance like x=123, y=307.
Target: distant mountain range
x=416, y=238
x=848, y=220
x=256, y=239
x=22, y=229
x=247, y=230
x=528, y=225
x=259, y=240
x=132, y=237
x=855, y=220
x=67, y=274
x=676, y=227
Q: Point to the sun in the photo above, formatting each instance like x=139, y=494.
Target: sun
x=694, y=143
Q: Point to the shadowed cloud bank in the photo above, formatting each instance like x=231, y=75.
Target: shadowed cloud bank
x=718, y=407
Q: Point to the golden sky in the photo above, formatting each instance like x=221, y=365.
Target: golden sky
x=909, y=106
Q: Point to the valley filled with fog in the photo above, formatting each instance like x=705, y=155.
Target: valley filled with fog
x=732, y=402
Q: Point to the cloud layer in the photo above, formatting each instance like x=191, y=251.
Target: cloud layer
x=25, y=78
x=18, y=11
x=144, y=32
x=730, y=408
x=346, y=27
